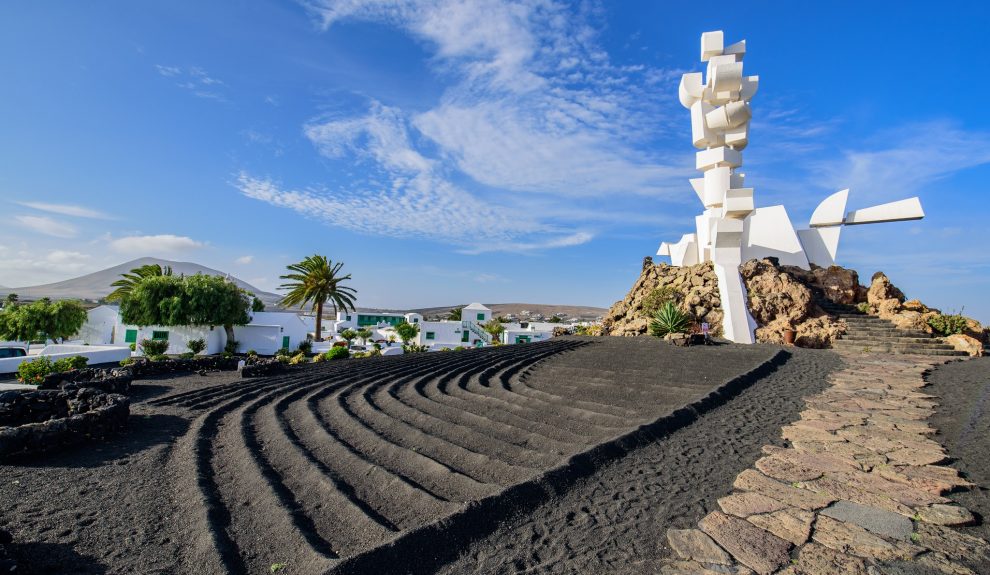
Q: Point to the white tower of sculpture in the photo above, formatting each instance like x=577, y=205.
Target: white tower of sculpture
x=731, y=229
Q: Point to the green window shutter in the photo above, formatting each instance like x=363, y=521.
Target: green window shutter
x=159, y=335
x=431, y=335
x=285, y=341
x=130, y=336
x=465, y=336
x=481, y=317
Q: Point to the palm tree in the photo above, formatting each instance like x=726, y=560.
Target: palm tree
x=127, y=281
x=364, y=334
x=454, y=314
x=315, y=280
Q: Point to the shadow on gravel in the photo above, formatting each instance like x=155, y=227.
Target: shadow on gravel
x=143, y=432
x=48, y=558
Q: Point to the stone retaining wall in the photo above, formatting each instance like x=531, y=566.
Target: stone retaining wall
x=37, y=421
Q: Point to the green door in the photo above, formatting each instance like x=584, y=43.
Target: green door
x=522, y=339
x=130, y=336
x=285, y=341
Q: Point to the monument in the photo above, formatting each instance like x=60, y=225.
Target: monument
x=731, y=229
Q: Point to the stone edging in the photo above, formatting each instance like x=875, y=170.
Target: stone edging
x=860, y=486
x=78, y=415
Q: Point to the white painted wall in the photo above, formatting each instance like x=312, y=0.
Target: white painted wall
x=95, y=353
x=99, y=326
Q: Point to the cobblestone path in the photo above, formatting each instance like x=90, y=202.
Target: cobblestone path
x=860, y=489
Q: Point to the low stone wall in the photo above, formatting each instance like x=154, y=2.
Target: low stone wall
x=42, y=420
x=145, y=368
x=262, y=367
x=115, y=380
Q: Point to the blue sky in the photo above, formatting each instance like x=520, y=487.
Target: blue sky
x=475, y=151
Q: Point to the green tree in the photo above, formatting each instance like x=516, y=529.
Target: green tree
x=127, y=281
x=407, y=332
x=348, y=335
x=10, y=300
x=493, y=327
x=189, y=300
x=257, y=304
x=316, y=280
x=454, y=314
x=364, y=334
x=42, y=319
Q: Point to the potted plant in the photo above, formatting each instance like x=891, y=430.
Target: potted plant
x=790, y=334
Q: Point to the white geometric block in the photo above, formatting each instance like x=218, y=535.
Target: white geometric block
x=832, y=210
x=738, y=203
x=716, y=184
x=691, y=89
x=749, y=86
x=664, y=249
x=700, y=134
x=711, y=45
x=703, y=231
x=737, y=180
x=769, y=233
x=717, y=119
x=737, y=113
x=727, y=234
x=737, y=138
x=903, y=210
x=715, y=157
x=684, y=252
x=698, y=184
x=726, y=78
x=737, y=324
x=820, y=244
x=738, y=50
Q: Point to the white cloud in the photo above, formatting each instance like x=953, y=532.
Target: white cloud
x=47, y=226
x=158, y=244
x=244, y=260
x=66, y=210
x=62, y=257
x=195, y=80
x=922, y=153
x=168, y=71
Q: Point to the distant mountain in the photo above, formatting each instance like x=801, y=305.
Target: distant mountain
x=97, y=284
x=516, y=309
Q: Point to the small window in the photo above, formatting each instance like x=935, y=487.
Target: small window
x=130, y=336
x=481, y=317
x=348, y=318
x=159, y=335
x=431, y=335
x=415, y=320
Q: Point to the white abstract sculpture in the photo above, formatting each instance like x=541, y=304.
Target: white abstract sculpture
x=731, y=229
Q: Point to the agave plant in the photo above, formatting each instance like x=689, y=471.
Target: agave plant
x=669, y=319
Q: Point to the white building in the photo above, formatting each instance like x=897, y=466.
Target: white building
x=268, y=331
x=529, y=332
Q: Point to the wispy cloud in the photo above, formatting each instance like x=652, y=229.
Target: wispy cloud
x=195, y=80
x=155, y=244
x=66, y=210
x=47, y=226
x=244, y=260
x=533, y=109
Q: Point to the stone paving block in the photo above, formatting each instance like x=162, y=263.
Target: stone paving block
x=785, y=470
x=904, y=494
x=879, y=521
x=822, y=462
x=915, y=457
x=950, y=515
x=821, y=424
x=752, y=480
x=679, y=567
x=816, y=559
x=693, y=544
x=789, y=524
x=938, y=563
x=849, y=538
x=749, y=503
x=796, y=433
x=952, y=543
x=853, y=454
x=755, y=548
x=923, y=477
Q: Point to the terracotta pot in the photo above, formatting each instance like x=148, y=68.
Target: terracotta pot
x=789, y=335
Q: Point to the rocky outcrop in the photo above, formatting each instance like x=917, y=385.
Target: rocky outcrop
x=693, y=288
x=963, y=342
x=780, y=299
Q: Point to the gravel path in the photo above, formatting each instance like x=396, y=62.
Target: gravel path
x=963, y=423
x=615, y=521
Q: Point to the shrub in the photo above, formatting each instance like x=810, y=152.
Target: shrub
x=153, y=347
x=187, y=355
x=337, y=353
x=33, y=372
x=252, y=353
x=231, y=346
x=413, y=348
x=70, y=363
x=133, y=347
x=460, y=348
x=283, y=352
x=306, y=346
x=227, y=354
x=159, y=357
x=297, y=359
x=947, y=324
x=320, y=358
x=657, y=298
x=196, y=345
x=669, y=319
x=863, y=307
x=126, y=362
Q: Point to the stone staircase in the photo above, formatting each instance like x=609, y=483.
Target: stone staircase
x=871, y=334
